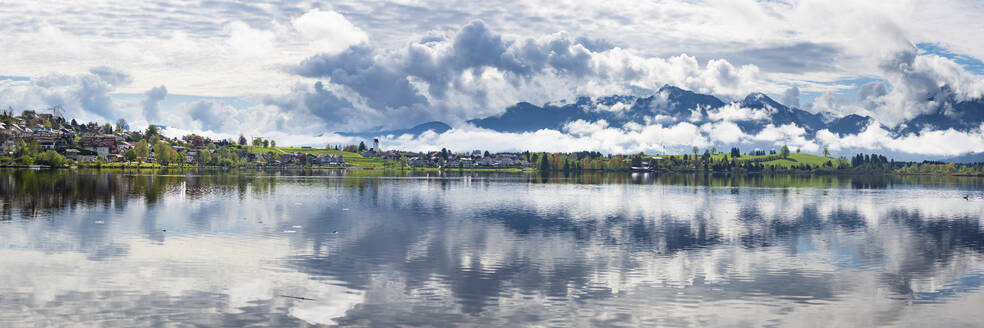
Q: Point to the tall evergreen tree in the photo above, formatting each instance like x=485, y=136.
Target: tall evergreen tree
x=544, y=163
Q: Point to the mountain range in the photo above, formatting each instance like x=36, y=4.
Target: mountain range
x=671, y=105
x=668, y=106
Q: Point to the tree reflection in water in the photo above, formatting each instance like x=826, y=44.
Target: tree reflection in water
x=500, y=249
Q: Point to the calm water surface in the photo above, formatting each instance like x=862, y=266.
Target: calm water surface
x=298, y=248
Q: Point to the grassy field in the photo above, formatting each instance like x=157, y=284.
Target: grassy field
x=355, y=159
x=792, y=160
x=144, y=165
x=799, y=159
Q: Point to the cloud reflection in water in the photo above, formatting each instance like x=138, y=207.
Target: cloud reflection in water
x=486, y=250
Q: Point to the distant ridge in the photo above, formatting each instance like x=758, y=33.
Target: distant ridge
x=671, y=105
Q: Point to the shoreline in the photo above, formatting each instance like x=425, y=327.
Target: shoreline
x=326, y=168
x=490, y=170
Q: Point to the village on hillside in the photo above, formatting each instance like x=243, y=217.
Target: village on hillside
x=44, y=137
x=36, y=138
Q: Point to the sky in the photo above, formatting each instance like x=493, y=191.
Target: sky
x=298, y=71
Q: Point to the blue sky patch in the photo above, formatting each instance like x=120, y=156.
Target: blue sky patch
x=14, y=78
x=969, y=63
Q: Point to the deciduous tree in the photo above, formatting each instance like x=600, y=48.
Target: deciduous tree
x=142, y=150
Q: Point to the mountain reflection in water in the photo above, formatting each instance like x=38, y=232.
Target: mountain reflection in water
x=289, y=248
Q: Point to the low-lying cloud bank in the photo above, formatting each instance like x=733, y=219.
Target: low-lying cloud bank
x=680, y=138
x=654, y=139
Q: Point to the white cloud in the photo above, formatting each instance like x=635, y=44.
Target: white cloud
x=659, y=118
x=919, y=84
x=581, y=127
x=593, y=136
x=726, y=133
x=791, y=135
x=940, y=143
x=152, y=102
x=735, y=112
x=616, y=107
x=596, y=136
x=249, y=43
x=84, y=96
x=791, y=97
x=328, y=31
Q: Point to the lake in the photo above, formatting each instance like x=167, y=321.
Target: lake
x=300, y=248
